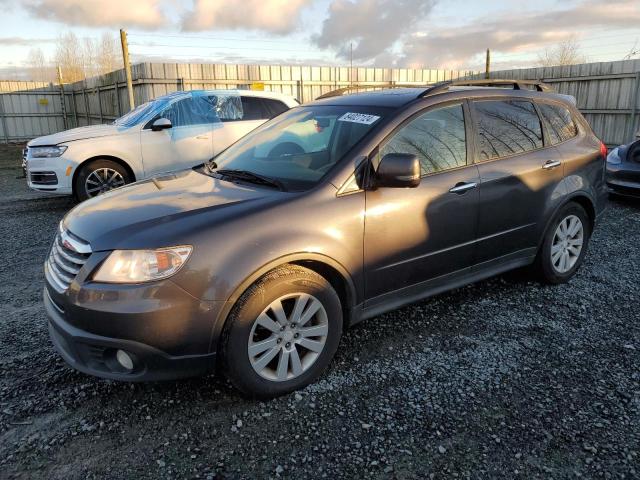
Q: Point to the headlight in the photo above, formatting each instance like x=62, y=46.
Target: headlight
x=613, y=157
x=135, y=266
x=46, y=152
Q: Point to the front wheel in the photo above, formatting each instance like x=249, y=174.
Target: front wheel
x=564, y=245
x=99, y=176
x=282, y=333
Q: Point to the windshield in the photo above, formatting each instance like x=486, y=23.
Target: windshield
x=300, y=146
x=139, y=113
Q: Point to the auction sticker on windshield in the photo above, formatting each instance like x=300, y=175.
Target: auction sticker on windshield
x=358, y=118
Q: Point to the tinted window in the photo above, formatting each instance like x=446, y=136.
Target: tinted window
x=274, y=107
x=253, y=109
x=507, y=128
x=256, y=108
x=560, y=124
x=436, y=137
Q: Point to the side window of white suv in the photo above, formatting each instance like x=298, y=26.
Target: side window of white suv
x=191, y=111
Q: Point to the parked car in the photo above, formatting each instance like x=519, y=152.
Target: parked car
x=362, y=203
x=623, y=169
x=172, y=132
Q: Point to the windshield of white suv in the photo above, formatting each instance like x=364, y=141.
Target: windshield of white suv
x=300, y=146
x=141, y=112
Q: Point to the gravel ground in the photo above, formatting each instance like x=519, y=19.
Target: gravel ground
x=505, y=378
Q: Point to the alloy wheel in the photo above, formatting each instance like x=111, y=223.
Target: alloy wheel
x=288, y=337
x=102, y=180
x=567, y=244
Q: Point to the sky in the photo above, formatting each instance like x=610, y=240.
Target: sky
x=451, y=34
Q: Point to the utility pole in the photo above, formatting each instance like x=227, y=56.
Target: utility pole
x=351, y=67
x=62, y=102
x=127, y=66
x=487, y=65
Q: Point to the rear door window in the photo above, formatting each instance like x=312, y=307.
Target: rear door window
x=256, y=108
x=506, y=128
x=274, y=107
x=559, y=122
x=437, y=137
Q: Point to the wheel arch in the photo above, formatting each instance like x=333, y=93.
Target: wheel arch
x=117, y=160
x=583, y=199
x=335, y=273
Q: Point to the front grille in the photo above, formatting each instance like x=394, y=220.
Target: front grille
x=68, y=255
x=44, y=178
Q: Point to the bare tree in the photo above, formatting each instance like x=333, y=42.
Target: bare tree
x=109, y=57
x=70, y=56
x=41, y=71
x=566, y=52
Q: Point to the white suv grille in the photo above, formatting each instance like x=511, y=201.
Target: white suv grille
x=68, y=255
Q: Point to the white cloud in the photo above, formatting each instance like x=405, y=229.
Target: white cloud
x=517, y=32
x=374, y=25
x=145, y=14
x=274, y=16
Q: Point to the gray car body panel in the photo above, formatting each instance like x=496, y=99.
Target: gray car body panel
x=241, y=231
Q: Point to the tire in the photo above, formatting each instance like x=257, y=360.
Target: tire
x=95, y=171
x=285, y=286
x=549, y=266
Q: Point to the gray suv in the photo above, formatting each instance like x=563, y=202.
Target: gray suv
x=331, y=213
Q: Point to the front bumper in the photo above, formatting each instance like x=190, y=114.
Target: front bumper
x=163, y=329
x=51, y=175
x=624, y=178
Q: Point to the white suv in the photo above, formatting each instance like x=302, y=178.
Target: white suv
x=170, y=133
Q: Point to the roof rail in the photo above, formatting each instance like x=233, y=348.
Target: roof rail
x=492, y=82
x=430, y=89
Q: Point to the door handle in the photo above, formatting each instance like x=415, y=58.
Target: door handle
x=461, y=187
x=202, y=137
x=549, y=164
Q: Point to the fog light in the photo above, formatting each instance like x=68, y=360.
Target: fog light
x=124, y=359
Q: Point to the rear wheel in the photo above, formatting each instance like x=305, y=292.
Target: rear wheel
x=282, y=333
x=564, y=245
x=99, y=176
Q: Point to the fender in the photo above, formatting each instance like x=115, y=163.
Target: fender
x=290, y=258
x=569, y=197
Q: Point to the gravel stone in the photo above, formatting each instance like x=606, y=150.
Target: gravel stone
x=551, y=372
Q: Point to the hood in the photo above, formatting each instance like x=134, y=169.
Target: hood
x=163, y=211
x=80, y=133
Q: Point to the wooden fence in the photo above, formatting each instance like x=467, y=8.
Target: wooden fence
x=607, y=94
x=28, y=110
x=104, y=98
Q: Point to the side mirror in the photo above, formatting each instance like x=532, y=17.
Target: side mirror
x=161, y=124
x=398, y=170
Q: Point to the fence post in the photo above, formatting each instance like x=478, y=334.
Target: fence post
x=299, y=87
x=62, y=101
x=4, y=120
x=127, y=67
x=634, y=108
x=75, y=107
x=487, y=66
x=86, y=103
x=99, y=104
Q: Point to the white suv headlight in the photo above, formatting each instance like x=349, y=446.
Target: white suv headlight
x=135, y=266
x=47, y=152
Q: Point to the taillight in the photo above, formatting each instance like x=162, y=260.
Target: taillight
x=603, y=150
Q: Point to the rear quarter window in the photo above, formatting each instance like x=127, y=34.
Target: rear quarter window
x=559, y=122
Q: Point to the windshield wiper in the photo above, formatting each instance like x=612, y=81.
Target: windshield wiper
x=252, y=177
